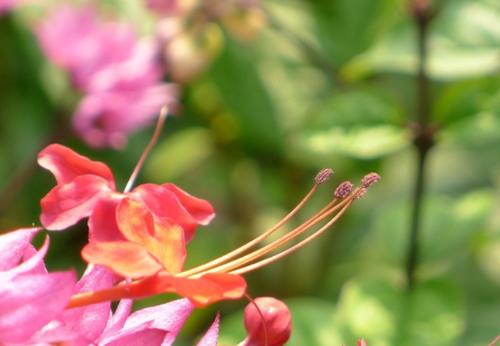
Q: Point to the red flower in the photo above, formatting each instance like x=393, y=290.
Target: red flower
x=140, y=235
x=86, y=188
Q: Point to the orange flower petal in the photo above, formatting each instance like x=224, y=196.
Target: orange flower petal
x=124, y=258
x=135, y=221
x=164, y=240
x=168, y=246
x=208, y=289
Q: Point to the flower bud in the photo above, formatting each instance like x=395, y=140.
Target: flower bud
x=277, y=318
x=361, y=342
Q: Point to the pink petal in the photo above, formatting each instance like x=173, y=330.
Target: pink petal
x=30, y=301
x=199, y=208
x=89, y=321
x=33, y=265
x=124, y=258
x=68, y=203
x=102, y=222
x=106, y=118
x=140, y=337
x=212, y=335
x=117, y=320
x=143, y=325
x=66, y=165
x=13, y=246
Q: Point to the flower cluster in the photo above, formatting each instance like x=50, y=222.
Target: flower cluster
x=119, y=74
x=136, y=249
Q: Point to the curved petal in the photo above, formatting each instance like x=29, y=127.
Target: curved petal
x=135, y=221
x=89, y=321
x=165, y=241
x=13, y=246
x=22, y=313
x=124, y=258
x=212, y=335
x=33, y=265
x=202, y=291
x=66, y=204
x=199, y=208
x=102, y=222
x=66, y=165
x=117, y=320
x=164, y=203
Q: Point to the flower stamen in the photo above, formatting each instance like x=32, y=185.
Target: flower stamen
x=220, y=260
x=311, y=222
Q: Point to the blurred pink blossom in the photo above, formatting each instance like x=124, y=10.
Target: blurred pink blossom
x=33, y=305
x=119, y=74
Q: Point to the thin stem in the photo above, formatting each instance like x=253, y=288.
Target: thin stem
x=149, y=147
x=494, y=341
x=424, y=134
x=294, y=248
x=253, y=242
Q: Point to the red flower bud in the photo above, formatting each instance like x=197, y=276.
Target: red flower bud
x=277, y=319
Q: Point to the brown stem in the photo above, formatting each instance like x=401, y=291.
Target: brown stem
x=424, y=134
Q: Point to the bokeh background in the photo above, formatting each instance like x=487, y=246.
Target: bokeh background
x=284, y=90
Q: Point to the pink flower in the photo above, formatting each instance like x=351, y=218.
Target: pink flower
x=29, y=296
x=170, y=7
x=97, y=325
x=119, y=74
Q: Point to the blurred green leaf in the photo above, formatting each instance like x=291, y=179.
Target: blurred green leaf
x=242, y=91
x=179, y=154
x=448, y=227
x=345, y=28
x=384, y=314
x=358, y=124
x=464, y=41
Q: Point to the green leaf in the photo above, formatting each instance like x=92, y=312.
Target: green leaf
x=360, y=124
x=179, y=154
x=464, y=41
x=385, y=314
x=346, y=28
x=245, y=96
x=448, y=226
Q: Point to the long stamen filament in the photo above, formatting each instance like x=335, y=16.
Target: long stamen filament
x=124, y=289
x=254, y=241
x=292, y=249
x=318, y=217
x=149, y=147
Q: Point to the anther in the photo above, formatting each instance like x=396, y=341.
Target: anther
x=370, y=179
x=360, y=192
x=323, y=175
x=343, y=190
